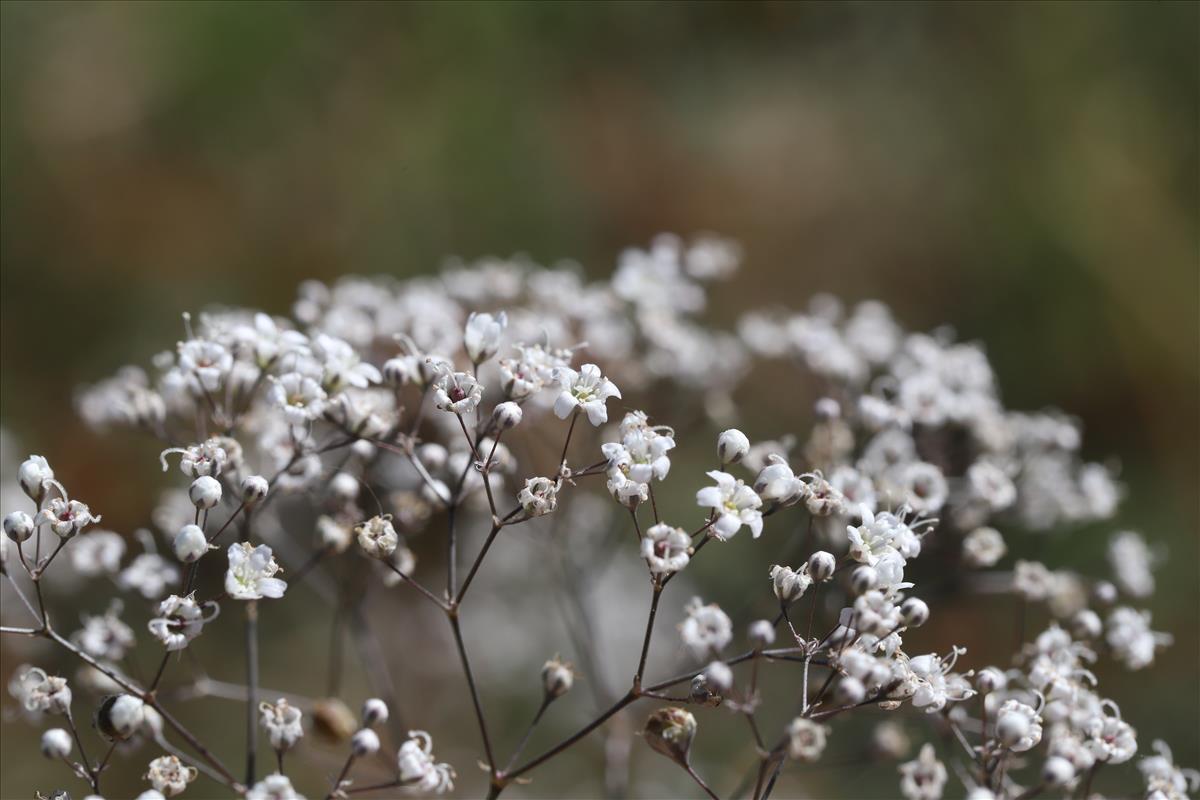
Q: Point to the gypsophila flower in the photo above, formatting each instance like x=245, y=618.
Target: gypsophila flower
x=273, y=787
x=776, y=483
x=190, y=544
x=105, y=637
x=1128, y=635
x=56, y=743
x=120, y=716
x=806, y=739
x=180, y=620
x=538, y=497
x=205, y=363
x=789, y=584
x=707, y=629
x=586, y=389
x=670, y=731
x=251, y=571
x=149, y=574
x=66, y=517
x=733, y=503
x=924, y=778
x=732, y=446
x=38, y=691
x=1132, y=564
x=35, y=475
x=169, y=775
x=983, y=547
x=206, y=458
x=557, y=677
x=666, y=549
x=1110, y=739
x=1164, y=778
x=481, y=339
x=299, y=396
x=18, y=526
x=457, y=392
x=282, y=723
x=935, y=684
x=1018, y=726
x=97, y=553
x=419, y=774
x=377, y=537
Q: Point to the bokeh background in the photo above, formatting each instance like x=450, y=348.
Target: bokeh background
x=1026, y=173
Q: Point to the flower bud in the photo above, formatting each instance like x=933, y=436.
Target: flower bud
x=1057, y=771
x=56, y=743
x=344, y=486
x=1086, y=624
x=1105, y=593
x=333, y=720
x=719, y=676
x=364, y=742
x=701, y=692
x=481, y=339
x=732, y=446
x=33, y=474
x=333, y=535
x=190, y=544
x=18, y=526
x=788, y=584
x=863, y=579
x=254, y=489
x=850, y=691
x=507, y=415
x=821, y=566
x=990, y=679
x=377, y=537
x=1011, y=728
x=374, y=711
x=915, y=612
x=670, y=731
x=120, y=716
x=205, y=492
x=557, y=678
x=762, y=634
x=827, y=408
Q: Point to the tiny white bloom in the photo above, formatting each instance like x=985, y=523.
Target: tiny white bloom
x=666, y=548
x=734, y=503
x=251, y=571
x=481, y=339
x=419, y=774
x=586, y=389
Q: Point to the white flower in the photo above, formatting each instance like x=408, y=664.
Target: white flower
x=56, y=743
x=457, y=392
x=1131, y=563
x=282, y=723
x=935, y=685
x=179, y=621
x=149, y=574
x=776, y=483
x=624, y=490
x=1111, y=739
x=33, y=475
x=734, y=503
x=642, y=452
x=1032, y=580
x=300, y=396
x=806, y=739
x=732, y=446
x=38, y=691
x=121, y=716
x=206, y=458
x=418, y=772
x=538, y=497
x=983, y=547
x=250, y=572
x=990, y=484
x=482, y=336
x=66, y=517
x=789, y=584
x=168, y=775
x=207, y=362
x=1128, y=634
x=273, y=787
x=666, y=548
x=97, y=553
x=707, y=629
x=105, y=637
x=377, y=537
x=924, y=778
x=341, y=366
x=1018, y=726
x=586, y=389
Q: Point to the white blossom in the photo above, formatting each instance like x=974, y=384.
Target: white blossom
x=733, y=503
x=251, y=571
x=666, y=548
x=419, y=774
x=586, y=389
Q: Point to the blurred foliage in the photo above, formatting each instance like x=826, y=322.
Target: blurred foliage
x=1026, y=173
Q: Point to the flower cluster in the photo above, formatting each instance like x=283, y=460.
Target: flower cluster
x=382, y=412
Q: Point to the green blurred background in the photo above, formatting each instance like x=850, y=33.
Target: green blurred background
x=1026, y=173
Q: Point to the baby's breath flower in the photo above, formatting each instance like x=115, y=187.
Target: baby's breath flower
x=670, y=731
x=983, y=547
x=377, y=537
x=179, y=621
x=167, y=774
x=35, y=475
x=457, y=392
x=19, y=526
x=586, y=389
x=38, y=691
x=707, y=629
x=282, y=723
x=419, y=774
x=56, y=744
x=66, y=517
x=924, y=778
x=481, y=339
x=557, y=677
x=666, y=549
x=733, y=503
x=273, y=787
x=538, y=497
x=251, y=571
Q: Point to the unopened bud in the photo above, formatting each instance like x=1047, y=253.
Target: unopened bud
x=719, y=676
x=670, y=731
x=375, y=711
x=863, y=579
x=365, y=742
x=732, y=446
x=56, y=743
x=789, y=584
x=507, y=415
x=254, y=489
x=915, y=612
x=205, y=492
x=821, y=566
x=762, y=634
x=19, y=526
x=190, y=544
x=557, y=677
x=120, y=716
